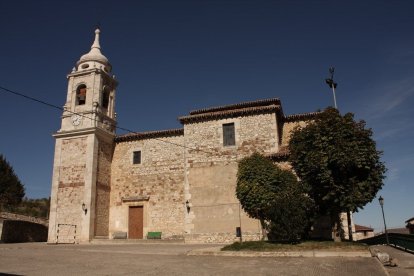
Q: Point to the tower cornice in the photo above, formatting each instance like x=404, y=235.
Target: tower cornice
x=108, y=136
x=89, y=71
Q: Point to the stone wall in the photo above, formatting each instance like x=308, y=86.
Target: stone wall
x=103, y=188
x=157, y=184
x=288, y=127
x=253, y=133
x=70, y=192
x=12, y=231
x=12, y=216
x=363, y=235
x=212, y=175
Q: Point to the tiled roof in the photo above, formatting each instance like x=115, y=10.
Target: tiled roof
x=222, y=114
x=281, y=155
x=265, y=102
x=301, y=116
x=359, y=228
x=411, y=220
x=150, y=134
x=398, y=231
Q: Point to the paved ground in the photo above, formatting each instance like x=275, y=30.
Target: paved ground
x=166, y=259
x=404, y=260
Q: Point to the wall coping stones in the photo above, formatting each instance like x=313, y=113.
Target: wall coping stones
x=12, y=216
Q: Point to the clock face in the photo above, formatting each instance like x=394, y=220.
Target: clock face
x=76, y=119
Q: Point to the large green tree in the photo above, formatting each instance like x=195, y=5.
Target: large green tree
x=11, y=189
x=256, y=179
x=337, y=158
x=274, y=196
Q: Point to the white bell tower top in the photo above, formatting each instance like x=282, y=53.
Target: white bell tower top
x=90, y=101
x=94, y=58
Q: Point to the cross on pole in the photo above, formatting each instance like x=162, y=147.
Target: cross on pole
x=330, y=82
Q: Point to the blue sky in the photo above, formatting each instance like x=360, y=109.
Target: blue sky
x=171, y=57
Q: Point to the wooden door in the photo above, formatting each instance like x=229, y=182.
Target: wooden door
x=136, y=222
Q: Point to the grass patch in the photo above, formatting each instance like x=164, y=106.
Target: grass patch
x=303, y=246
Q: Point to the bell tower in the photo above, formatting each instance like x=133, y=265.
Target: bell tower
x=79, y=208
x=91, y=93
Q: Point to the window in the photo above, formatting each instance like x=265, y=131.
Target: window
x=229, y=138
x=136, y=158
x=81, y=94
x=105, y=97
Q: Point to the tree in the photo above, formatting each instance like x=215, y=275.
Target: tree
x=292, y=211
x=337, y=158
x=274, y=196
x=11, y=189
x=255, y=177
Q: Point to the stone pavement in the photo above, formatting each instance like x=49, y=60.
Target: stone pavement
x=216, y=251
x=166, y=259
x=404, y=260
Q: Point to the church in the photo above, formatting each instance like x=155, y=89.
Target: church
x=170, y=184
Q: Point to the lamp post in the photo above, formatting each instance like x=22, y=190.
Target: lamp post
x=330, y=82
x=381, y=202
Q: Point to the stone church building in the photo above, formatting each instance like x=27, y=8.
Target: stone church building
x=180, y=182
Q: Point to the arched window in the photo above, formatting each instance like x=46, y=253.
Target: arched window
x=81, y=94
x=105, y=97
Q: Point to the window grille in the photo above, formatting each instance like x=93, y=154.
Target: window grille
x=229, y=137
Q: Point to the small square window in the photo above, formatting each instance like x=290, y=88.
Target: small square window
x=229, y=137
x=136, y=158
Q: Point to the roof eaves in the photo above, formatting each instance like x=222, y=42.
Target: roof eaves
x=265, y=102
x=150, y=134
x=282, y=155
x=228, y=114
x=301, y=116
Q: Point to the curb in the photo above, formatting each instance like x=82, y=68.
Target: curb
x=215, y=251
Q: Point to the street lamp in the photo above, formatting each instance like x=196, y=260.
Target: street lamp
x=381, y=202
x=330, y=82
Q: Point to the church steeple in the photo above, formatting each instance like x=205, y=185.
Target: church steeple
x=83, y=150
x=94, y=58
x=91, y=92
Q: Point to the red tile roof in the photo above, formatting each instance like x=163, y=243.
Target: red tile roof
x=229, y=113
x=149, y=134
x=361, y=228
x=281, y=155
x=265, y=102
x=301, y=116
x=411, y=220
x=399, y=230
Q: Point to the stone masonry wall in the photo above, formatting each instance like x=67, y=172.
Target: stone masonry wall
x=103, y=188
x=71, y=185
x=288, y=127
x=157, y=184
x=12, y=231
x=12, y=216
x=256, y=133
x=212, y=175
